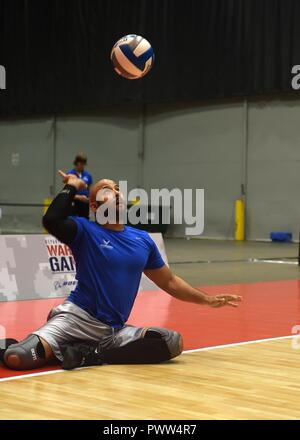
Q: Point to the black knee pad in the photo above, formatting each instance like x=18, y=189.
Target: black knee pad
x=141, y=351
x=172, y=338
x=158, y=345
x=25, y=355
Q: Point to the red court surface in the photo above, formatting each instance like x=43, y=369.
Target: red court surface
x=268, y=310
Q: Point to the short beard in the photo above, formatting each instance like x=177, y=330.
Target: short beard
x=118, y=217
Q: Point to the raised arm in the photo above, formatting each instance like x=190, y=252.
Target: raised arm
x=180, y=289
x=56, y=219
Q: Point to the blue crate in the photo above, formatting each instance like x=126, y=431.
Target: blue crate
x=281, y=236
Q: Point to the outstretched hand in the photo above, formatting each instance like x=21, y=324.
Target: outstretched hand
x=224, y=300
x=72, y=179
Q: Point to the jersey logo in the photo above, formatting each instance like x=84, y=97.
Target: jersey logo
x=106, y=244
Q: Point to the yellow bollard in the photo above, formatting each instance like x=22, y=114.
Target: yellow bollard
x=239, y=233
x=135, y=201
x=46, y=203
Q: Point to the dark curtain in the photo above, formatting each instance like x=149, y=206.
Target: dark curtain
x=56, y=52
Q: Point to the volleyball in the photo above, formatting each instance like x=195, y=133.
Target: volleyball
x=132, y=56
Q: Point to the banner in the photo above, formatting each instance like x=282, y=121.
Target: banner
x=39, y=266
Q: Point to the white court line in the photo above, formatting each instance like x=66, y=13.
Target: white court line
x=23, y=376
x=275, y=261
x=215, y=347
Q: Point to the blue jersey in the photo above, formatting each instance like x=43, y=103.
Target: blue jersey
x=109, y=266
x=86, y=177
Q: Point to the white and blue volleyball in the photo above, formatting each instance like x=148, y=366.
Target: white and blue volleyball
x=132, y=56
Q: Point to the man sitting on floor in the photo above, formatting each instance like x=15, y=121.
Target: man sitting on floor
x=89, y=328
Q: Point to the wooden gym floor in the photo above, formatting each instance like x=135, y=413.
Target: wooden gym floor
x=239, y=363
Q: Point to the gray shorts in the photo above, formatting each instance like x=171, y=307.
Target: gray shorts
x=69, y=323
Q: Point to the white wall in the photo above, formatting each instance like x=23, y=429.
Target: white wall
x=26, y=151
x=110, y=141
x=199, y=147
x=273, y=168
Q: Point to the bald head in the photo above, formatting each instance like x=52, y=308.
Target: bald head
x=106, y=192
x=103, y=183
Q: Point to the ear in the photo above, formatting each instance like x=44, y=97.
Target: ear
x=93, y=206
